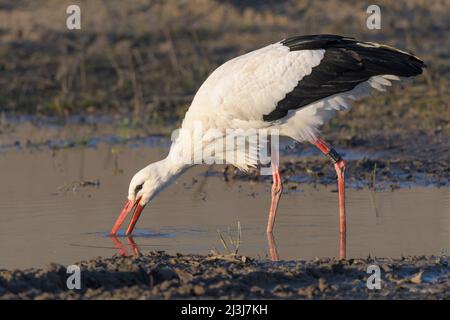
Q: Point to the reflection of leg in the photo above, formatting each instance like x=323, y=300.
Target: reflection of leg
x=134, y=246
x=339, y=165
x=277, y=189
x=273, y=252
x=119, y=246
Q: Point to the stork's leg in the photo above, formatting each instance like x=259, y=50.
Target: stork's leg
x=277, y=189
x=273, y=252
x=339, y=165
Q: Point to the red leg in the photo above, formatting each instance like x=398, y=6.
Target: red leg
x=340, y=171
x=273, y=252
x=339, y=165
x=277, y=189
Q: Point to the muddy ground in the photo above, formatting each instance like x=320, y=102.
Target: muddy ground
x=379, y=166
x=388, y=160
x=157, y=275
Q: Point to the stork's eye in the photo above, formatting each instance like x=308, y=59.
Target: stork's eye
x=139, y=187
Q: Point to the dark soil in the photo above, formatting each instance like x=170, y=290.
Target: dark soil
x=383, y=162
x=365, y=173
x=157, y=275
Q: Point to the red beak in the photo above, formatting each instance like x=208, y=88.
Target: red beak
x=129, y=206
x=134, y=218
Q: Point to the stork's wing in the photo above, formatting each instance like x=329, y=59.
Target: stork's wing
x=346, y=63
x=249, y=86
x=265, y=84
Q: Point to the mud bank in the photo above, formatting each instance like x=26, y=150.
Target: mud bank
x=157, y=275
x=363, y=173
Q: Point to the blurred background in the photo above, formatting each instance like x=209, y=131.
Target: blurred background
x=143, y=60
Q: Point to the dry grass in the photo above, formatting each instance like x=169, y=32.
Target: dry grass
x=148, y=58
x=232, y=245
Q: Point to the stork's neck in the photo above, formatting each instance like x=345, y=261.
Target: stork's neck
x=181, y=151
x=173, y=165
x=161, y=174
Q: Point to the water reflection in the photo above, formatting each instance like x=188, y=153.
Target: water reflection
x=121, y=248
x=70, y=226
x=273, y=249
x=271, y=245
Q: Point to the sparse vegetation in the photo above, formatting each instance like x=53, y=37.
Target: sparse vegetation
x=147, y=58
x=232, y=246
x=141, y=62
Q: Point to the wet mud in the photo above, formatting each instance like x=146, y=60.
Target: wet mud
x=157, y=275
x=363, y=173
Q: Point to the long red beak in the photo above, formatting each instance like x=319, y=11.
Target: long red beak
x=134, y=218
x=129, y=206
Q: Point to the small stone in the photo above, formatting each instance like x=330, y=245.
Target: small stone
x=323, y=285
x=163, y=273
x=337, y=267
x=417, y=278
x=386, y=268
x=44, y=296
x=198, y=290
x=164, y=285
x=184, y=275
x=256, y=289
x=310, y=291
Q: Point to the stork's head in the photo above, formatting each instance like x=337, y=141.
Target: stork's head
x=144, y=186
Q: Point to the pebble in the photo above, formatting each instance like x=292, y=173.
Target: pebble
x=198, y=290
x=323, y=285
x=417, y=278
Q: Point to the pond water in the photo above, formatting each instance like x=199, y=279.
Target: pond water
x=47, y=215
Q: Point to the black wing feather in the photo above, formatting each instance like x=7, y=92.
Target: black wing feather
x=346, y=63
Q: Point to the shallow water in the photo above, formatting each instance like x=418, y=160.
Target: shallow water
x=45, y=215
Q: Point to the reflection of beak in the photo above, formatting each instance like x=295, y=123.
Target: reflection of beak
x=129, y=206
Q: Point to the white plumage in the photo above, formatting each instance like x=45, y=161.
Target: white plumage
x=293, y=86
x=239, y=92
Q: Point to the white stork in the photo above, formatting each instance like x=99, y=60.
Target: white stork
x=293, y=86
